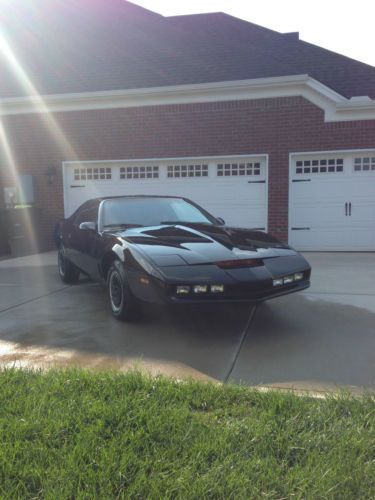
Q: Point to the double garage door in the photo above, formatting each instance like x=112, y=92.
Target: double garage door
x=332, y=201
x=232, y=188
x=331, y=195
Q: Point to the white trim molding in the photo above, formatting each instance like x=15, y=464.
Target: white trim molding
x=335, y=106
x=167, y=159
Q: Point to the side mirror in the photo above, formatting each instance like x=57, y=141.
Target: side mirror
x=87, y=226
x=220, y=221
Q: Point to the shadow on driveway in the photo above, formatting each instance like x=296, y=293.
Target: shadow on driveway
x=304, y=341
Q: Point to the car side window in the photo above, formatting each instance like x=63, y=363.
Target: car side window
x=89, y=214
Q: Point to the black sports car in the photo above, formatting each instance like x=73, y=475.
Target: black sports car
x=168, y=250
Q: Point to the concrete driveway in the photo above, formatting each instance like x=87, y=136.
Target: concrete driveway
x=320, y=339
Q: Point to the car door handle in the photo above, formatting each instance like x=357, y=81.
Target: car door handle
x=346, y=209
x=350, y=209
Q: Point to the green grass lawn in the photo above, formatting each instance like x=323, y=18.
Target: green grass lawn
x=75, y=434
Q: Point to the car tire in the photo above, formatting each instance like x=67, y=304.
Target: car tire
x=68, y=272
x=124, y=305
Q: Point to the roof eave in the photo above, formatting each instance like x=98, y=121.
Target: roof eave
x=335, y=106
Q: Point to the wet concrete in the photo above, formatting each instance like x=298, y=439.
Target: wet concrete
x=321, y=339
x=59, y=325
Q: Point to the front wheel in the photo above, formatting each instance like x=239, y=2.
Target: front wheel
x=68, y=272
x=124, y=305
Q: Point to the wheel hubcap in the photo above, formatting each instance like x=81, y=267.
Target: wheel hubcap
x=116, y=291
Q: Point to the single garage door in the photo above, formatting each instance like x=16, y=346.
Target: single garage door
x=232, y=188
x=332, y=201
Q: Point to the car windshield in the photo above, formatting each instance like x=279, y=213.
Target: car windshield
x=132, y=212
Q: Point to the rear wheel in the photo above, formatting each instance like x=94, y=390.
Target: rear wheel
x=124, y=305
x=68, y=272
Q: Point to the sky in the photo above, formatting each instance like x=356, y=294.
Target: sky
x=346, y=26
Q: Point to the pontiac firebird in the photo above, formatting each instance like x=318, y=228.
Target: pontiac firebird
x=169, y=250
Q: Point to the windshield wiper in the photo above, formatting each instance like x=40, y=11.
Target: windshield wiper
x=121, y=226
x=182, y=222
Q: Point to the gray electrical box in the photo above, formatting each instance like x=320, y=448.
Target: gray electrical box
x=22, y=194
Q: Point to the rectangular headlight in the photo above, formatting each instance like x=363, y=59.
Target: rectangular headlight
x=278, y=282
x=182, y=289
x=298, y=276
x=217, y=288
x=200, y=288
x=288, y=279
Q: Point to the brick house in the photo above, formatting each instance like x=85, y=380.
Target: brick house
x=102, y=97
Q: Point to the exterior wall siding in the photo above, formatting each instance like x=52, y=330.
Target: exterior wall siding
x=274, y=126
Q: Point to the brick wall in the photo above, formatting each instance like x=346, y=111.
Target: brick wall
x=274, y=126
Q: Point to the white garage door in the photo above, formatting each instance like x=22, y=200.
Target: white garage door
x=332, y=201
x=232, y=188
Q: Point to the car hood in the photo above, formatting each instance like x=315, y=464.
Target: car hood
x=201, y=243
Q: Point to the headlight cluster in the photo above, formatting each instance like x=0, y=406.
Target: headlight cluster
x=186, y=289
x=286, y=280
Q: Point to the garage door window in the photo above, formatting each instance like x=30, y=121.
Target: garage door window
x=237, y=169
x=364, y=164
x=323, y=166
x=91, y=174
x=179, y=171
x=150, y=172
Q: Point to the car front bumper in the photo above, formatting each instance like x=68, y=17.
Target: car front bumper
x=254, y=284
x=165, y=293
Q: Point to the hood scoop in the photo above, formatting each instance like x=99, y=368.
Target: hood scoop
x=167, y=236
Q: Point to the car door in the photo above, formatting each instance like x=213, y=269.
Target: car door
x=71, y=235
x=84, y=242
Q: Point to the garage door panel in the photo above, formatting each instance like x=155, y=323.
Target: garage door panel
x=235, y=217
x=334, y=188
x=333, y=239
x=363, y=215
x=329, y=189
x=318, y=216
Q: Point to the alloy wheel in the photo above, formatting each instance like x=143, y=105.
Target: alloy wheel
x=116, y=291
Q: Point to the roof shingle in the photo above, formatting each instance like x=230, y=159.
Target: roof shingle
x=68, y=46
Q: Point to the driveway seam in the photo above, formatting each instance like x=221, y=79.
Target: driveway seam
x=33, y=299
x=242, y=341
